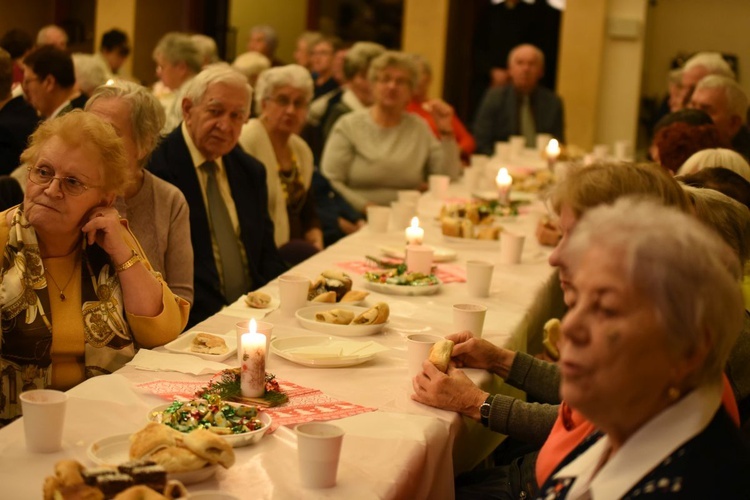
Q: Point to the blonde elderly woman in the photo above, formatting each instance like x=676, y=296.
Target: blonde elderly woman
x=251, y=64
x=156, y=210
x=656, y=311
x=716, y=157
x=78, y=295
x=372, y=153
x=283, y=95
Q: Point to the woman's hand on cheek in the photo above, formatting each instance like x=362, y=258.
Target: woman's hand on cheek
x=104, y=229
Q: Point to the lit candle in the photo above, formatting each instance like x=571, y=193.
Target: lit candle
x=252, y=326
x=553, y=151
x=253, y=363
x=504, y=183
x=414, y=233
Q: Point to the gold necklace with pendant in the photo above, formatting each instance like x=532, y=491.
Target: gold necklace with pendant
x=62, y=290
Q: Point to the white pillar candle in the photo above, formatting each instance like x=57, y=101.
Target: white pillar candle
x=253, y=363
x=553, y=151
x=504, y=183
x=414, y=233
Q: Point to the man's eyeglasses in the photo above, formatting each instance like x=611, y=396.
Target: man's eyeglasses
x=43, y=176
x=284, y=102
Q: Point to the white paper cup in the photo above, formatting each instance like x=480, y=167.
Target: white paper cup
x=511, y=247
x=502, y=151
x=517, y=145
x=418, y=347
x=409, y=196
x=419, y=259
x=479, y=160
x=378, y=218
x=623, y=150
x=401, y=214
x=541, y=142
x=319, y=448
x=471, y=176
x=479, y=277
x=43, y=419
x=263, y=327
x=469, y=317
x=601, y=151
x=439, y=185
x=293, y=291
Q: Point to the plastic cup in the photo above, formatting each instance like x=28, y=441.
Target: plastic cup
x=517, y=145
x=471, y=176
x=601, y=151
x=541, y=142
x=409, y=196
x=43, y=419
x=319, y=448
x=479, y=160
x=439, y=185
x=402, y=212
x=419, y=259
x=479, y=277
x=418, y=347
x=263, y=327
x=293, y=291
x=469, y=317
x=511, y=247
x=378, y=218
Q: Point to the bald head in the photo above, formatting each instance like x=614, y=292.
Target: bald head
x=526, y=67
x=52, y=35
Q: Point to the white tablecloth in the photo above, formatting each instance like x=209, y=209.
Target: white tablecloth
x=403, y=450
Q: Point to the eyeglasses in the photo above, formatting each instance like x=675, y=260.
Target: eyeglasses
x=43, y=176
x=284, y=102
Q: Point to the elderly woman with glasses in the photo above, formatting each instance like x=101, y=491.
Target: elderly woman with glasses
x=283, y=94
x=156, y=210
x=78, y=295
x=372, y=153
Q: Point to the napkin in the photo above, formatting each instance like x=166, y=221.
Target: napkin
x=146, y=359
x=337, y=349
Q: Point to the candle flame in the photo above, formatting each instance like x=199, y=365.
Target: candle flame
x=503, y=177
x=253, y=326
x=415, y=222
x=553, y=147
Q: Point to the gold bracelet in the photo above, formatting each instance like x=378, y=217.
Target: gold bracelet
x=129, y=263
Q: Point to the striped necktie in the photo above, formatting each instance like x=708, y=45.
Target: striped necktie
x=528, y=129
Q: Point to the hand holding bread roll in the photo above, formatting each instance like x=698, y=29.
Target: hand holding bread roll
x=440, y=354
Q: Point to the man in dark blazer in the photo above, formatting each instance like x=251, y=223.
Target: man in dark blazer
x=202, y=152
x=17, y=119
x=500, y=114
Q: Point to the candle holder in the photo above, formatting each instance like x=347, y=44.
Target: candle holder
x=503, y=195
x=253, y=365
x=551, y=161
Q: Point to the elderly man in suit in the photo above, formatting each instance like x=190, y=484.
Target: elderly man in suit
x=521, y=107
x=231, y=229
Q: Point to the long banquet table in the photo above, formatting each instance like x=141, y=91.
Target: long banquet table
x=402, y=450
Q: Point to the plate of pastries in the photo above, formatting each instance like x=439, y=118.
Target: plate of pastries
x=344, y=320
x=334, y=286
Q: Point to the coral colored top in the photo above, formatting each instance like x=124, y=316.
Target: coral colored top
x=465, y=140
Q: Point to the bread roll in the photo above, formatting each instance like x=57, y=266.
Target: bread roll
x=451, y=227
x=206, y=343
x=176, y=459
x=175, y=489
x=68, y=472
x=467, y=229
x=440, y=354
x=335, y=316
x=139, y=492
x=152, y=437
x=354, y=296
x=373, y=316
x=210, y=447
x=552, y=338
x=488, y=233
x=258, y=300
x=329, y=297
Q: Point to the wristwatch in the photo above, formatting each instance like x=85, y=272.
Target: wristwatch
x=484, y=410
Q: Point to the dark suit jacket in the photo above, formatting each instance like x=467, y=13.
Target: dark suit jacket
x=741, y=142
x=497, y=117
x=247, y=179
x=17, y=121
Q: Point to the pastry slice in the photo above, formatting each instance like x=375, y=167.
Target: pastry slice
x=335, y=316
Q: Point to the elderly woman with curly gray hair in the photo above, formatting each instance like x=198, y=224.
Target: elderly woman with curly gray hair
x=372, y=153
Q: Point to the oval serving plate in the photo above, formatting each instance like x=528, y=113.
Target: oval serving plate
x=306, y=318
x=236, y=440
x=114, y=450
x=289, y=349
x=404, y=290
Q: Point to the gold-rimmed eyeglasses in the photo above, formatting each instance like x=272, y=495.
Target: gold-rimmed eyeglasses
x=43, y=176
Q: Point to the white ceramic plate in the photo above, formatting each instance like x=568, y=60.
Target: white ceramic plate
x=306, y=318
x=182, y=345
x=236, y=440
x=407, y=290
x=114, y=450
x=399, y=252
x=286, y=349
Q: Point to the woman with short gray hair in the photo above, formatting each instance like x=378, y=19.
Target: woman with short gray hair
x=372, y=153
x=657, y=310
x=283, y=96
x=178, y=60
x=156, y=210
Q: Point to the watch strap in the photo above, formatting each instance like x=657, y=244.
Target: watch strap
x=484, y=410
